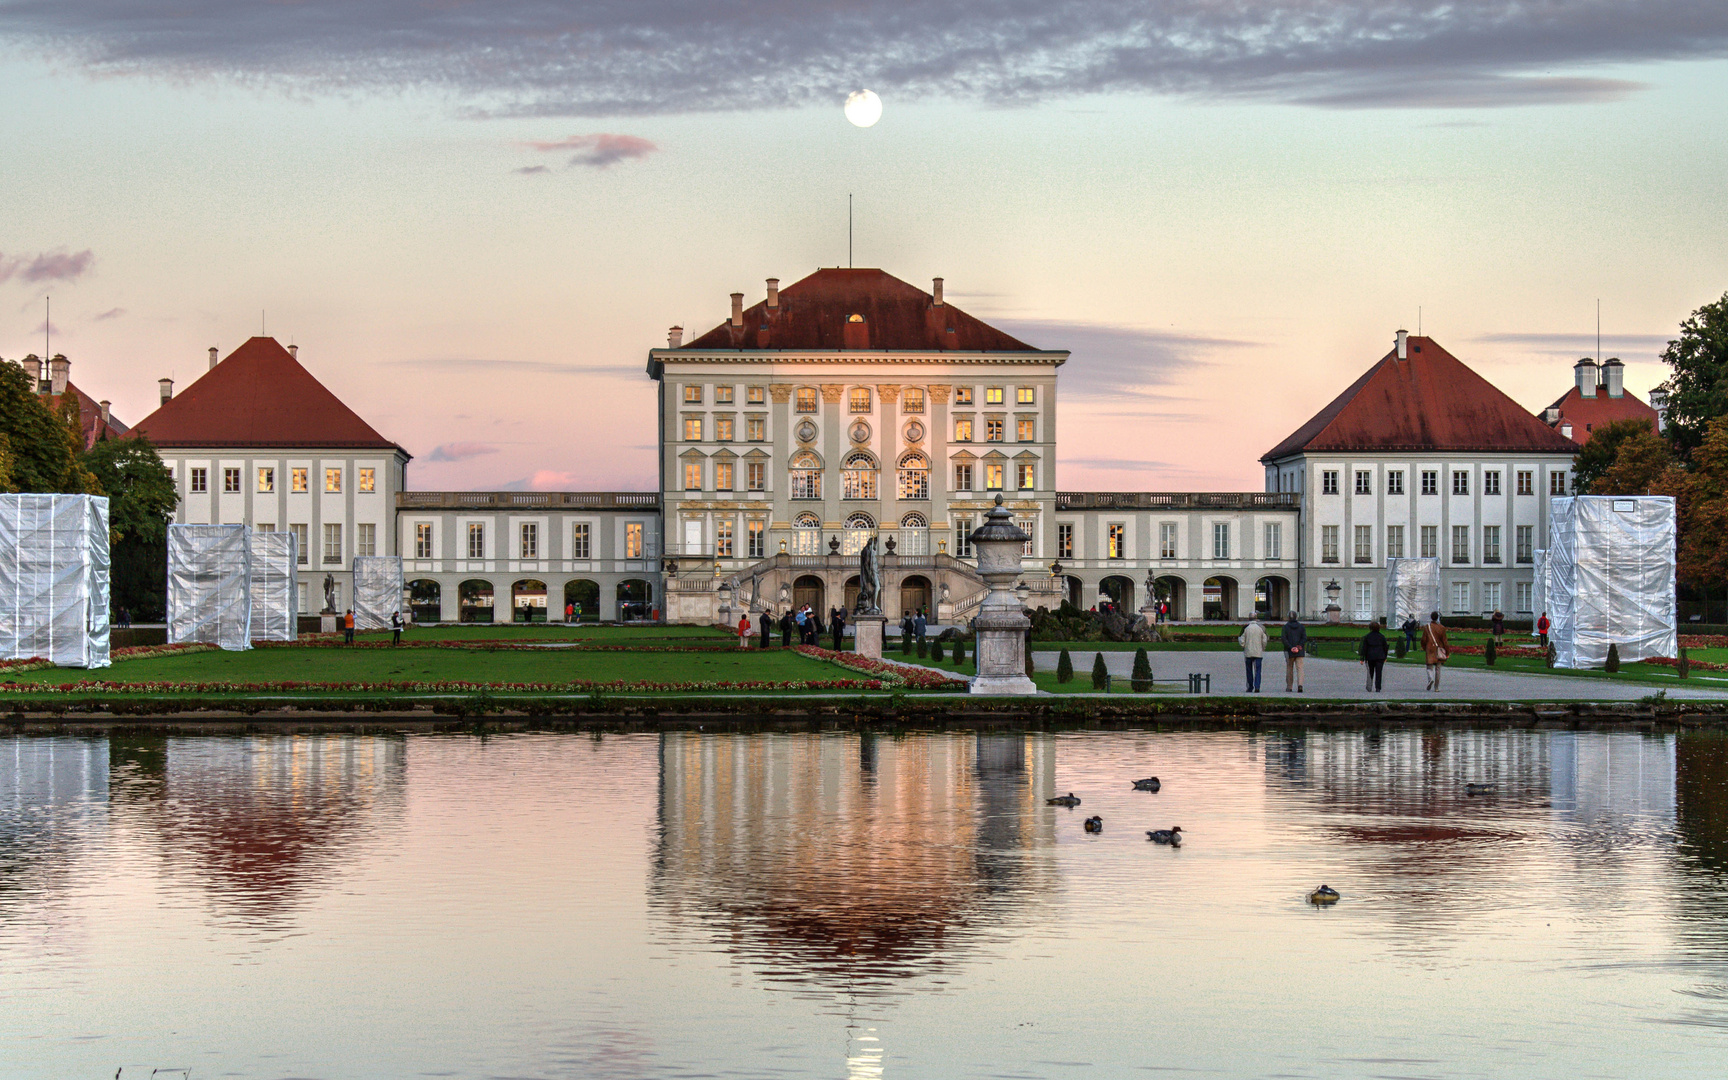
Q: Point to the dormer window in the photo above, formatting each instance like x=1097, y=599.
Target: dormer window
x=855, y=318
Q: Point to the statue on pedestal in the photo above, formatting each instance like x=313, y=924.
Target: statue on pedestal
x=329, y=594
x=869, y=580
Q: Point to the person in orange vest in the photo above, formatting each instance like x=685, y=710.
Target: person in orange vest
x=744, y=631
x=348, y=627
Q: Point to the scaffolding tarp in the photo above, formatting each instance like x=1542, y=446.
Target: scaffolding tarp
x=1610, y=579
x=210, y=585
x=1539, y=589
x=54, y=579
x=377, y=590
x=275, y=587
x=1412, y=589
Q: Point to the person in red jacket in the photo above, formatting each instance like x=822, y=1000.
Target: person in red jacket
x=1542, y=625
x=744, y=631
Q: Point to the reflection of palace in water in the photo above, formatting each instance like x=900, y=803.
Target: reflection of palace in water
x=851, y=858
x=52, y=793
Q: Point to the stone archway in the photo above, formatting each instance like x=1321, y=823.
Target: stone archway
x=916, y=593
x=528, y=600
x=809, y=589
x=1272, y=598
x=1074, y=590
x=1119, y=590
x=474, y=601
x=1174, y=591
x=585, y=596
x=635, y=600
x=425, y=600
x=1219, y=599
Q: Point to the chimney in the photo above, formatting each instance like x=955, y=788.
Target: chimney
x=737, y=309
x=294, y=351
x=1584, y=375
x=773, y=293
x=1659, y=402
x=1614, y=376
x=212, y=358
x=59, y=369
x=106, y=414
x=675, y=337
x=33, y=368
x=1403, y=344
x=936, y=291
x=167, y=388
x=1566, y=429
x=1550, y=416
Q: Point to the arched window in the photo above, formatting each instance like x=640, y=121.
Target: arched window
x=859, y=528
x=914, y=535
x=858, y=399
x=858, y=476
x=806, y=399
x=914, y=521
x=806, y=476
x=914, y=476
x=806, y=534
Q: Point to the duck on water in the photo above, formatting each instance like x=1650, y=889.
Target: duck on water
x=1171, y=836
x=1069, y=799
x=1149, y=784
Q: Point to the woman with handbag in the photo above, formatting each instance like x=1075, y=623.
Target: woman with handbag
x=1434, y=649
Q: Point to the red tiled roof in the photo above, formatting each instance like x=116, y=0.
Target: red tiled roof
x=1587, y=414
x=259, y=396
x=1431, y=401
x=816, y=313
x=89, y=416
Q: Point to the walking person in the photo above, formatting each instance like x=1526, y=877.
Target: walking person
x=744, y=630
x=905, y=628
x=1542, y=626
x=348, y=627
x=1253, y=642
x=570, y=611
x=1411, y=628
x=837, y=624
x=1434, y=649
x=1498, y=626
x=919, y=626
x=1295, y=651
x=1373, y=649
x=395, y=628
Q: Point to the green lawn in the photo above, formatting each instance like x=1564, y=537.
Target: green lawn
x=620, y=635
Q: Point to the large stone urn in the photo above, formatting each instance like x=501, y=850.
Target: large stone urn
x=1001, y=623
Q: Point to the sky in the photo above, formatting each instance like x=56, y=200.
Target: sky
x=476, y=219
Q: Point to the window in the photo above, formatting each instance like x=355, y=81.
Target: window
x=1460, y=543
x=756, y=475
x=692, y=476
x=858, y=477
x=756, y=429
x=198, y=480
x=368, y=480
x=1027, y=474
x=266, y=480
x=806, y=399
x=1025, y=429
x=723, y=538
x=806, y=477
x=423, y=540
x=858, y=400
x=993, y=476
x=1167, y=540
x=1274, y=540
x=1491, y=482
x=1029, y=526
x=1490, y=596
x=1328, y=543
x=992, y=395
x=914, y=477
x=1395, y=482
x=1064, y=540
x=755, y=395
x=1364, y=482
x=333, y=542
x=722, y=429
x=962, y=395
x=230, y=481
x=1490, y=543
x=993, y=428
x=1526, y=535
x=1116, y=546
x=580, y=540
x=1394, y=541
x=1364, y=547
x=1430, y=541
x=332, y=480
x=1329, y=482
x=692, y=429
x=633, y=547
x=1026, y=395
x=723, y=395
x=1557, y=482
x=722, y=476
x=476, y=540
x=962, y=429
x=302, y=544
x=1220, y=540
x=365, y=539
x=1362, y=599
x=530, y=546
x=1460, y=482
x=1430, y=482
x=963, y=477
x=1526, y=482
x=297, y=479
x=963, y=536
x=912, y=399
x=757, y=535
x=1460, y=598
x=1522, y=592
x=692, y=395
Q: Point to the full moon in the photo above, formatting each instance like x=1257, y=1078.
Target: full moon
x=863, y=108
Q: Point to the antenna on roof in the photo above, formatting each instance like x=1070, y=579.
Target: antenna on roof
x=47, y=326
x=848, y=231
x=1598, y=329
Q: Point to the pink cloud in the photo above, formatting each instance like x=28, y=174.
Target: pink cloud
x=601, y=150
x=47, y=266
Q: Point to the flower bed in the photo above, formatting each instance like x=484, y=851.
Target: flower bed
x=894, y=674
x=141, y=652
x=34, y=663
x=1669, y=661
x=1703, y=641
x=1502, y=650
x=579, y=686
x=325, y=641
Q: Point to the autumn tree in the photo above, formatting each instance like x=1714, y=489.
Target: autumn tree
x=1597, y=455
x=1704, y=519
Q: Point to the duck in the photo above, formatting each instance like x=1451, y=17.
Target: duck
x=1478, y=789
x=1171, y=836
x=1094, y=824
x=1325, y=894
x=1069, y=799
x=1149, y=784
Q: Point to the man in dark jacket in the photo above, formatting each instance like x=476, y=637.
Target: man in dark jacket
x=1373, y=649
x=1295, y=651
x=767, y=629
x=786, y=629
x=1411, y=628
x=905, y=629
x=837, y=623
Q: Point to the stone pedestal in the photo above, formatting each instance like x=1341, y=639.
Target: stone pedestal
x=1001, y=625
x=1334, y=614
x=867, y=633
x=327, y=623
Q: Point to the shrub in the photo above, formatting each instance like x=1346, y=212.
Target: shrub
x=1548, y=657
x=1141, y=680
x=936, y=651
x=923, y=647
x=1400, y=646
x=1612, y=664
x=1683, y=664
x=959, y=651
x=905, y=644
x=1488, y=653
x=1065, y=665
x=1100, y=673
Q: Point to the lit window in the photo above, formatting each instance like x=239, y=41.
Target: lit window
x=633, y=540
x=993, y=476
x=1025, y=429
x=723, y=395
x=332, y=480
x=1116, y=547
x=476, y=540
x=756, y=429
x=530, y=545
x=230, y=481
x=423, y=541
x=266, y=480
x=757, y=476
x=580, y=541
x=1064, y=540
x=912, y=399
x=1025, y=395
x=756, y=532
x=722, y=429
x=722, y=476
x=723, y=538
x=1029, y=526
x=806, y=475
x=962, y=429
x=692, y=395
x=368, y=480
x=992, y=395
x=993, y=429
x=693, y=429
x=914, y=477
x=297, y=479
x=806, y=399
x=1028, y=475
x=962, y=395
x=858, y=477
x=198, y=480
x=692, y=476
x=755, y=395
x=858, y=400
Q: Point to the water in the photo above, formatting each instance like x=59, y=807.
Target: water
x=842, y=906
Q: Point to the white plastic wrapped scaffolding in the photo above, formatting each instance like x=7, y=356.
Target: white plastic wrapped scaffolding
x=54, y=579
x=1412, y=589
x=210, y=585
x=1538, y=590
x=377, y=590
x=1610, y=579
x=275, y=586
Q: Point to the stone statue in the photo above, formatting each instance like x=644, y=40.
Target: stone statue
x=1151, y=590
x=329, y=594
x=869, y=580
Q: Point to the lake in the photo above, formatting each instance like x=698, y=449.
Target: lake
x=690, y=905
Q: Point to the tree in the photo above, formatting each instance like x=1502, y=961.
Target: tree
x=1100, y=673
x=1064, y=668
x=1698, y=387
x=140, y=505
x=44, y=449
x=1703, y=516
x=1140, y=681
x=1643, y=464
x=1598, y=455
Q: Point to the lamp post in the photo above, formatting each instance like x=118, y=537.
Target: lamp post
x=1001, y=623
x=1334, y=613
